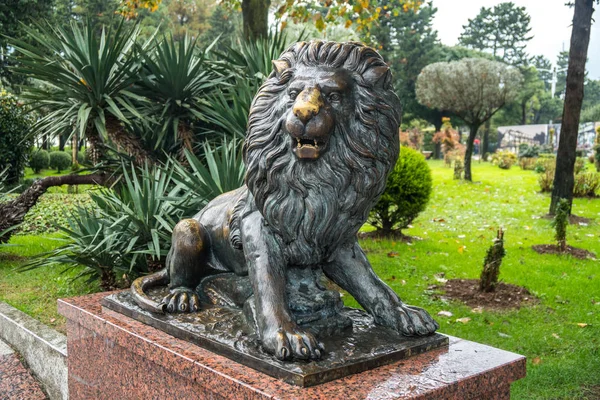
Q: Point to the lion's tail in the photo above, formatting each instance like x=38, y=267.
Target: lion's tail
x=141, y=285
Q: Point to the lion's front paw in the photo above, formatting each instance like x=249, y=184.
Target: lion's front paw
x=413, y=321
x=292, y=342
x=182, y=300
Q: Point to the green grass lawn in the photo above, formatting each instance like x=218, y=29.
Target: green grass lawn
x=563, y=358
x=457, y=228
x=35, y=292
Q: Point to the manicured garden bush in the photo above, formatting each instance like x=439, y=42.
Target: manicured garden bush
x=39, y=160
x=60, y=161
x=504, y=159
x=587, y=184
x=527, y=163
x=406, y=195
x=15, y=125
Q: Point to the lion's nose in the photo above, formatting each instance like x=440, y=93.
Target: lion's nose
x=307, y=104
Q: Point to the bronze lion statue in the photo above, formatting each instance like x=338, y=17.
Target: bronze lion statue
x=322, y=137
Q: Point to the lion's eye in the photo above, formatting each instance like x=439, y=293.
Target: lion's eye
x=293, y=94
x=335, y=97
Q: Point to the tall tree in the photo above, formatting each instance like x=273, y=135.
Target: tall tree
x=503, y=31
x=97, y=13
x=408, y=43
x=564, y=179
x=473, y=88
x=562, y=63
x=544, y=68
x=15, y=15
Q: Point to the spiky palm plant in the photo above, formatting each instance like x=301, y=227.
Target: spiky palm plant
x=246, y=64
x=85, y=80
x=176, y=79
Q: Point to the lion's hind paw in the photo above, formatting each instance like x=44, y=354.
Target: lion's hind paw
x=181, y=300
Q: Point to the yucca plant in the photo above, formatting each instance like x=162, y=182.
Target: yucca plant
x=85, y=79
x=176, y=79
x=246, y=65
x=128, y=231
x=93, y=243
x=221, y=170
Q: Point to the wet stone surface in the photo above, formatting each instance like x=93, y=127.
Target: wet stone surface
x=223, y=330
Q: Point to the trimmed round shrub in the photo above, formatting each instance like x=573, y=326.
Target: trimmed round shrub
x=60, y=160
x=39, y=160
x=15, y=144
x=406, y=194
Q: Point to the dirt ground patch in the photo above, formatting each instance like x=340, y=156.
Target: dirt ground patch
x=554, y=249
x=573, y=219
x=395, y=235
x=505, y=297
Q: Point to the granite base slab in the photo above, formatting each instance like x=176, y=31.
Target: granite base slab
x=114, y=356
x=223, y=330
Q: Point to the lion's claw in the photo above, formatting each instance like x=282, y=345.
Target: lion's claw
x=414, y=321
x=181, y=300
x=293, y=343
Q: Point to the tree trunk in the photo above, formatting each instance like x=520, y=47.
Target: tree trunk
x=469, y=152
x=485, y=141
x=12, y=212
x=126, y=142
x=567, y=145
x=437, y=147
x=255, y=14
x=62, y=139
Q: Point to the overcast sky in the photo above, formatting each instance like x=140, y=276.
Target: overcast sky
x=550, y=22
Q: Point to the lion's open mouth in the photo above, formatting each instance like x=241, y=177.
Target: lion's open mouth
x=308, y=148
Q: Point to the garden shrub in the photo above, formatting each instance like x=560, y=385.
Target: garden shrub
x=544, y=161
x=527, y=163
x=60, y=161
x=579, y=165
x=39, y=160
x=459, y=168
x=586, y=184
x=406, y=195
x=15, y=144
x=488, y=279
x=560, y=223
x=504, y=159
x=528, y=151
x=597, y=149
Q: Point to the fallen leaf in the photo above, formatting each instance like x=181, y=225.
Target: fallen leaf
x=477, y=310
x=464, y=320
x=462, y=236
x=440, y=277
x=555, y=336
x=536, y=361
x=504, y=335
x=393, y=254
x=445, y=314
x=52, y=320
x=582, y=325
x=461, y=249
x=403, y=282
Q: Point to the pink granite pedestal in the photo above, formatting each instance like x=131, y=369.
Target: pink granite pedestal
x=112, y=356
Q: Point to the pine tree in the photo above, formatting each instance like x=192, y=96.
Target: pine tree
x=502, y=31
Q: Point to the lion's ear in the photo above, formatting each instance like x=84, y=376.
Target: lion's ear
x=279, y=66
x=378, y=77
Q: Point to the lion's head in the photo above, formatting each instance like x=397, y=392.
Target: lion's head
x=322, y=137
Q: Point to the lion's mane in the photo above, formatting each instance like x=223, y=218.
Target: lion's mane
x=317, y=206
